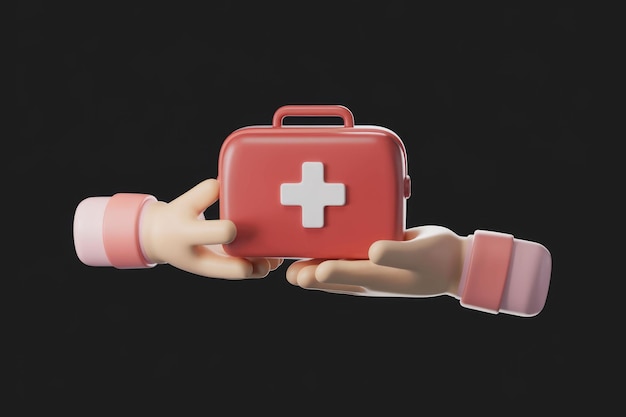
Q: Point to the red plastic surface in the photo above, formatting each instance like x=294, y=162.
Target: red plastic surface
x=255, y=161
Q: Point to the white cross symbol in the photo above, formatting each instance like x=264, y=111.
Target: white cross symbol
x=312, y=194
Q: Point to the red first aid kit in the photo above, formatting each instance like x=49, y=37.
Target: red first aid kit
x=315, y=191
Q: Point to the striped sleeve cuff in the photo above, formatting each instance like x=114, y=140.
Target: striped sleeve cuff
x=504, y=274
x=106, y=231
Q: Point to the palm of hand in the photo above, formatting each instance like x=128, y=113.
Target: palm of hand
x=427, y=263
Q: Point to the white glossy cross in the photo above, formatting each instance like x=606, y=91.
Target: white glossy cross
x=312, y=194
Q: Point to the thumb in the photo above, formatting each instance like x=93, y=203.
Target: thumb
x=200, y=197
x=417, y=249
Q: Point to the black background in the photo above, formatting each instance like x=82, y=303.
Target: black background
x=493, y=104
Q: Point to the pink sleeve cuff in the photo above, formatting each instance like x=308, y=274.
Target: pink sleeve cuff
x=106, y=231
x=503, y=274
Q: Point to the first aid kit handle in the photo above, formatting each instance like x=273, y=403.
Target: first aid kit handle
x=313, y=111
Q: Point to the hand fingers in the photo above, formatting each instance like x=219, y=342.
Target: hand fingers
x=217, y=249
x=306, y=279
x=203, y=261
x=295, y=268
x=275, y=263
x=200, y=197
x=369, y=276
x=260, y=267
x=209, y=232
x=347, y=272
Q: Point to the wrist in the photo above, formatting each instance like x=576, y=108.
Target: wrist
x=458, y=283
x=148, y=232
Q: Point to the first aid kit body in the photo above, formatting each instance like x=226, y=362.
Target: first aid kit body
x=312, y=191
